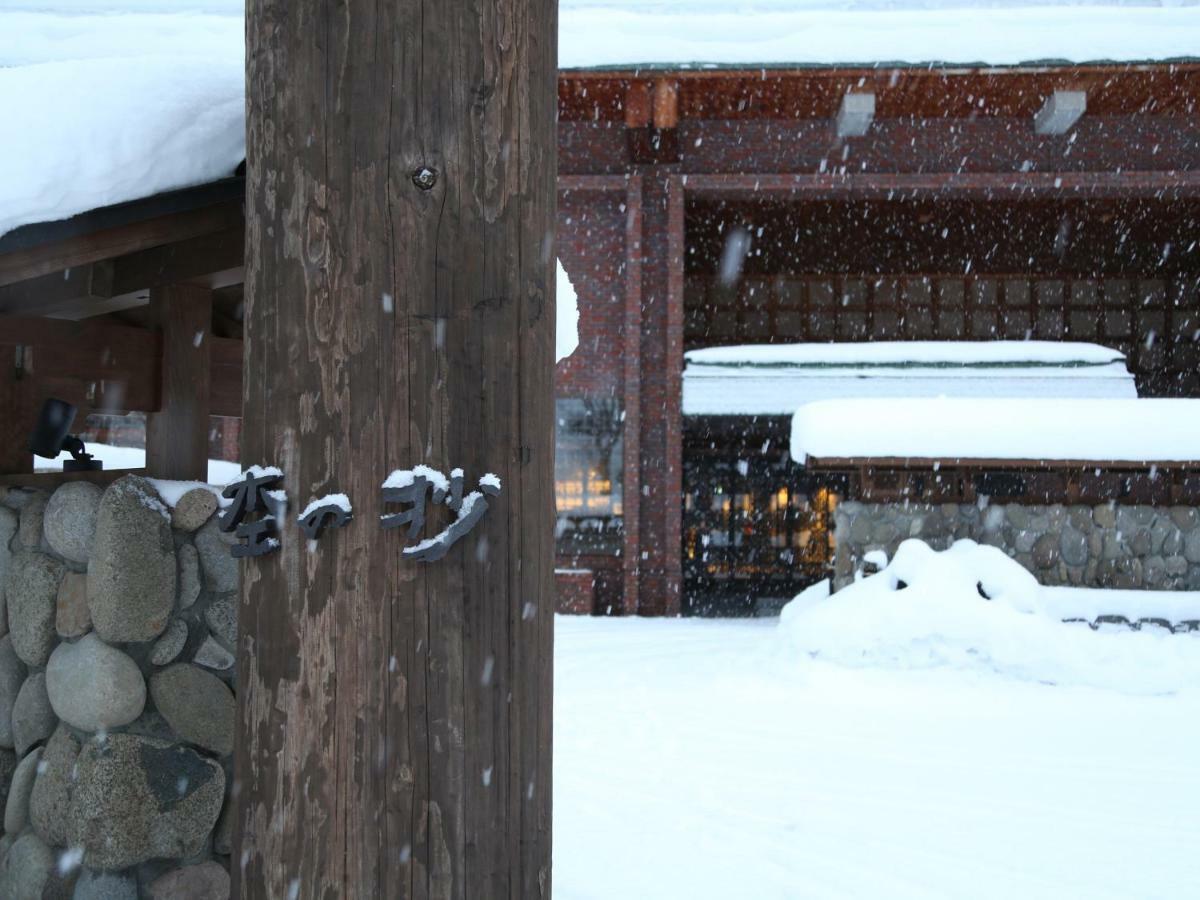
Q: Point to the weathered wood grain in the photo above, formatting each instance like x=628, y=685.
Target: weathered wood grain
x=395, y=717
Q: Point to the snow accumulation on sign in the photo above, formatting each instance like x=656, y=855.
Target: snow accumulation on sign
x=944, y=428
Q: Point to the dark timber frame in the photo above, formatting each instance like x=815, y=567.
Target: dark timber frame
x=394, y=735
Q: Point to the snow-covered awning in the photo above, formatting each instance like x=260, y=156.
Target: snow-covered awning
x=775, y=379
x=107, y=101
x=1036, y=429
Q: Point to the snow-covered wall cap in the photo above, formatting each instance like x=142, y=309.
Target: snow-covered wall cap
x=697, y=34
x=1140, y=430
x=987, y=354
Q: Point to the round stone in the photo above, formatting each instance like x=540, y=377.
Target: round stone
x=33, y=719
x=1074, y=547
x=16, y=810
x=29, y=869
x=104, y=886
x=12, y=676
x=71, y=616
x=137, y=799
x=189, y=576
x=197, y=705
x=1105, y=515
x=212, y=655
x=170, y=645
x=1185, y=517
x=194, y=509
x=32, y=601
x=8, y=765
x=93, y=686
x=131, y=576
x=50, y=803
x=221, y=617
x=1045, y=551
x=8, y=529
x=206, y=881
x=219, y=567
x=1191, y=546
x=70, y=520
x=33, y=515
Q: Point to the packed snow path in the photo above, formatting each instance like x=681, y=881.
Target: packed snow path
x=695, y=759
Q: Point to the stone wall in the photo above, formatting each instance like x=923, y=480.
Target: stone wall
x=118, y=623
x=1107, y=546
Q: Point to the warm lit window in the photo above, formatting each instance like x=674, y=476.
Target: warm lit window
x=588, y=457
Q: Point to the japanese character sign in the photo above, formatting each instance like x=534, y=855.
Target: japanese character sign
x=256, y=493
x=414, y=485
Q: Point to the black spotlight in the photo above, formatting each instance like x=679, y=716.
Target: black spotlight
x=50, y=438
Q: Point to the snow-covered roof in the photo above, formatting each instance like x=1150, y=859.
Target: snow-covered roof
x=107, y=101
x=988, y=428
x=714, y=33
x=774, y=380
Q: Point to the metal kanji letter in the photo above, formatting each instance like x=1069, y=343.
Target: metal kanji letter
x=331, y=511
x=251, y=495
x=413, y=486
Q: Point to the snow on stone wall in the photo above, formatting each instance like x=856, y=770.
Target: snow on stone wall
x=1105, y=546
x=118, y=618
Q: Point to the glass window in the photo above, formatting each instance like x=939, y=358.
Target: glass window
x=588, y=458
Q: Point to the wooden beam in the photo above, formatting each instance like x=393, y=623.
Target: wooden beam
x=399, y=311
x=51, y=480
x=213, y=260
x=18, y=408
x=177, y=434
x=936, y=464
x=44, y=259
x=98, y=367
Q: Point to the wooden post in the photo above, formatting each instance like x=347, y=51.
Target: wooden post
x=394, y=728
x=177, y=435
x=17, y=407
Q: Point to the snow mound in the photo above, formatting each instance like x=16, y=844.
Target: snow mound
x=971, y=607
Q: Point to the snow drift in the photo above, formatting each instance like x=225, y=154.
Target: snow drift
x=971, y=607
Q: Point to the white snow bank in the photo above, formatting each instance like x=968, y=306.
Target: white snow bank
x=708, y=34
x=220, y=471
x=950, y=354
x=566, y=326
x=1092, y=603
x=971, y=607
x=990, y=428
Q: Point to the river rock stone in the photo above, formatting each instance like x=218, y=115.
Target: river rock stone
x=8, y=765
x=170, y=645
x=1185, y=517
x=206, y=881
x=29, y=869
x=8, y=529
x=194, y=509
x=1045, y=551
x=71, y=616
x=93, y=686
x=219, y=568
x=1191, y=547
x=137, y=799
x=212, y=655
x=221, y=617
x=16, y=810
x=33, y=516
x=70, y=520
x=32, y=599
x=105, y=886
x=131, y=576
x=198, y=706
x=1074, y=547
x=1105, y=515
x=33, y=719
x=50, y=802
x=223, y=833
x=189, y=576
x=12, y=676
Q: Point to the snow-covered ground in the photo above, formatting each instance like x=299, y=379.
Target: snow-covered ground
x=707, y=759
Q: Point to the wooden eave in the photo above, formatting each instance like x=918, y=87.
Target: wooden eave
x=1152, y=89
x=935, y=464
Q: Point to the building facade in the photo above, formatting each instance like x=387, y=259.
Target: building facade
x=714, y=208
